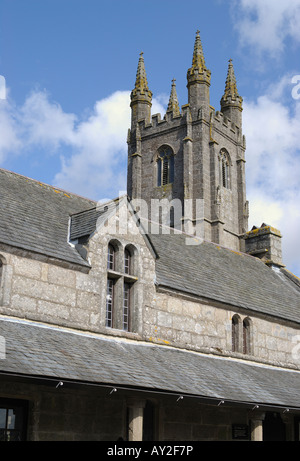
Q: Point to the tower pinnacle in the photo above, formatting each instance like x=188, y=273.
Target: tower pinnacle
x=198, y=80
x=231, y=96
x=198, y=68
x=173, y=105
x=141, y=96
x=141, y=83
x=198, y=56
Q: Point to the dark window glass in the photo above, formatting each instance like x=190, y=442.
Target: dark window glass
x=13, y=417
x=246, y=337
x=235, y=334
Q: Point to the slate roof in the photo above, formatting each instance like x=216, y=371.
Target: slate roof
x=33, y=350
x=85, y=222
x=210, y=271
x=35, y=216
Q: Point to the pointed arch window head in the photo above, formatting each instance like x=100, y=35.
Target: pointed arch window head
x=165, y=166
x=224, y=168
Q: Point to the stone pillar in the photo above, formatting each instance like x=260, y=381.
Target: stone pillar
x=135, y=420
x=289, y=426
x=257, y=427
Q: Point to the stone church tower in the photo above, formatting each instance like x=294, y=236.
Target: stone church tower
x=194, y=155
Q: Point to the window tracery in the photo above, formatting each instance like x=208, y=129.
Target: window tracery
x=165, y=166
x=224, y=168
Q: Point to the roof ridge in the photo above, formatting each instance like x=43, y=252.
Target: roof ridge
x=68, y=193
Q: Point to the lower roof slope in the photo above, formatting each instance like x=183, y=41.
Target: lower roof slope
x=35, y=351
x=213, y=272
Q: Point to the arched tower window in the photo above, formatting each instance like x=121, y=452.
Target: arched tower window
x=165, y=166
x=224, y=168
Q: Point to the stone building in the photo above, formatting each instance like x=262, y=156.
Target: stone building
x=184, y=327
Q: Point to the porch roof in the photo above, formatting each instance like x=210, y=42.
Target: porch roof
x=42, y=351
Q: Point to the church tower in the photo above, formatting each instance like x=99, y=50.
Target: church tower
x=192, y=158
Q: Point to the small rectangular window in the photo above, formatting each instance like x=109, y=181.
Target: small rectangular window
x=126, y=306
x=109, y=303
x=111, y=258
x=127, y=261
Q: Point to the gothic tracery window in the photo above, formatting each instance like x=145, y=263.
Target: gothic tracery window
x=224, y=168
x=165, y=166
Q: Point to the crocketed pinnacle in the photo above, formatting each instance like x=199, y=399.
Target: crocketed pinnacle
x=198, y=56
x=141, y=84
x=198, y=68
x=231, y=95
x=173, y=105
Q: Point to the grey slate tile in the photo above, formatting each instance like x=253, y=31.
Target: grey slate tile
x=143, y=365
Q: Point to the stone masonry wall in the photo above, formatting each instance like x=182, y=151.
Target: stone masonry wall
x=185, y=323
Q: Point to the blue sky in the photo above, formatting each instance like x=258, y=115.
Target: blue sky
x=69, y=67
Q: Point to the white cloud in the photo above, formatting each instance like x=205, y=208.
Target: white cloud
x=266, y=24
x=42, y=122
x=9, y=139
x=273, y=166
x=93, y=150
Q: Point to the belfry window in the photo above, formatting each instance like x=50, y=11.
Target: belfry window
x=165, y=166
x=224, y=169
